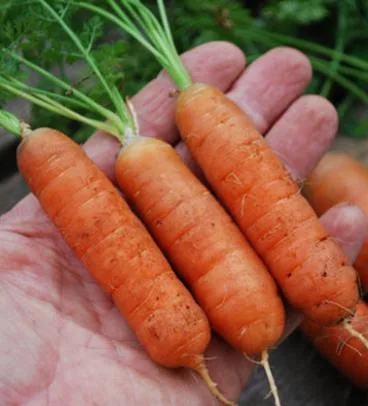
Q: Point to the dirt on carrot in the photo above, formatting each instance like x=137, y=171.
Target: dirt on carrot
x=115, y=247
x=310, y=268
x=207, y=249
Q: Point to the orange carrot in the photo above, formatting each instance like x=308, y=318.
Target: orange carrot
x=251, y=181
x=227, y=278
x=344, y=348
x=340, y=178
x=115, y=247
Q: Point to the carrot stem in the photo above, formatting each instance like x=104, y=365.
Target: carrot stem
x=11, y=123
x=63, y=85
x=114, y=96
x=63, y=99
x=51, y=105
x=159, y=40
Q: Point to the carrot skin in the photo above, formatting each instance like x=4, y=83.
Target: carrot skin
x=347, y=353
x=266, y=203
x=200, y=239
x=115, y=247
x=339, y=178
x=361, y=265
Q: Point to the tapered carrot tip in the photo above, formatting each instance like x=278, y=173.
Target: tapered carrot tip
x=203, y=371
x=271, y=380
x=264, y=363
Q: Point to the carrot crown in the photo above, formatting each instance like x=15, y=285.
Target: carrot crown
x=119, y=123
x=152, y=32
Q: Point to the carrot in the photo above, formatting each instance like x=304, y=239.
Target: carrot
x=311, y=268
x=340, y=178
x=115, y=247
x=227, y=278
x=252, y=183
x=343, y=348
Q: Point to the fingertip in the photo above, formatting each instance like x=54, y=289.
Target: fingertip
x=324, y=112
x=347, y=215
x=217, y=59
x=103, y=149
x=298, y=61
x=304, y=133
x=225, y=48
x=270, y=84
x=348, y=225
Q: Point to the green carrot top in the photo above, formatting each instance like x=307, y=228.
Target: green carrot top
x=118, y=121
x=152, y=32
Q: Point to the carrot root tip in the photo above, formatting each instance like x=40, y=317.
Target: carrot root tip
x=348, y=311
x=271, y=380
x=354, y=333
x=203, y=372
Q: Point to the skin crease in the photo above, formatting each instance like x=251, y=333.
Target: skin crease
x=61, y=340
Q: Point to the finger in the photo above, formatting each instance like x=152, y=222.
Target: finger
x=348, y=226
x=103, y=149
x=271, y=84
x=303, y=134
x=187, y=157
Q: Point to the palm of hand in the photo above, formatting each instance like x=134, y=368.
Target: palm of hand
x=62, y=342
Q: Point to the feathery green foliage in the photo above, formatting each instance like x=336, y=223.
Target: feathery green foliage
x=333, y=33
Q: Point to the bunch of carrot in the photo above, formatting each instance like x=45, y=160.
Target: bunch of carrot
x=207, y=248
x=282, y=227
x=310, y=267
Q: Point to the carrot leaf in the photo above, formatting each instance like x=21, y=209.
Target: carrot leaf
x=119, y=123
x=114, y=96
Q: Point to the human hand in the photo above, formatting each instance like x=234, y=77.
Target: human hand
x=62, y=342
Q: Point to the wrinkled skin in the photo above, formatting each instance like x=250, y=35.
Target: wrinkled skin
x=62, y=342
